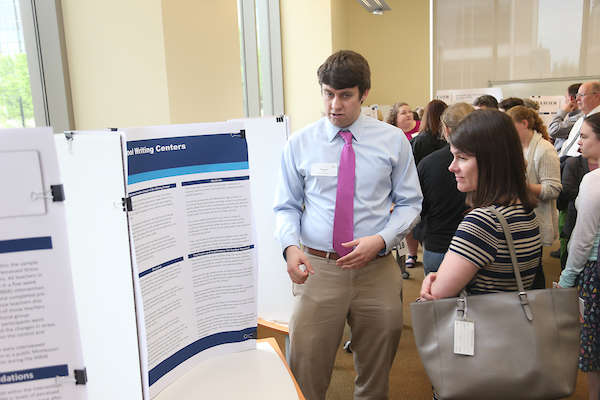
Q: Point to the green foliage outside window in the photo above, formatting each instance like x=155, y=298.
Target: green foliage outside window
x=16, y=107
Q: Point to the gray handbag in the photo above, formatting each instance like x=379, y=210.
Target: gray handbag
x=526, y=343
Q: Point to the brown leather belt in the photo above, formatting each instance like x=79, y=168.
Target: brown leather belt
x=325, y=254
x=320, y=253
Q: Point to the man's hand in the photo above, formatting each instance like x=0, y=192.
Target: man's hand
x=570, y=106
x=366, y=249
x=296, y=257
x=426, y=286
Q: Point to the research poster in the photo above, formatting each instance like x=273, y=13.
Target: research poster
x=467, y=95
x=40, y=346
x=549, y=106
x=191, y=227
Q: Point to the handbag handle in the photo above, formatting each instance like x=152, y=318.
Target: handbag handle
x=513, y=257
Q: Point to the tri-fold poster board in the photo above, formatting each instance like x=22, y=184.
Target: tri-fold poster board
x=40, y=348
x=166, y=226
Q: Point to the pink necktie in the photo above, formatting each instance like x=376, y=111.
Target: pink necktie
x=343, y=220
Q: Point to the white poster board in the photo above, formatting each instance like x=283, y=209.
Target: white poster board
x=39, y=334
x=266, y=139
x=369, y=111
x=467, y=95
x=191, y=227
x=93, y=175
x=549, y=106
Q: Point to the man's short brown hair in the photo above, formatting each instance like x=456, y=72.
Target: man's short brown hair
x=345, y=69
x=573, y=89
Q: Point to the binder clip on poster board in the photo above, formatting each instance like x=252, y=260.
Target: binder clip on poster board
x=80, y=377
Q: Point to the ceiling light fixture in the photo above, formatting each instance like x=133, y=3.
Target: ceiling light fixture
x=377, y=7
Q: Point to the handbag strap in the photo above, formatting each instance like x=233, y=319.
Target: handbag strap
x=598, y=264
x=513, y=257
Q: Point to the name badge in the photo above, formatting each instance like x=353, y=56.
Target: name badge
x=323, y=169
x=464, y=337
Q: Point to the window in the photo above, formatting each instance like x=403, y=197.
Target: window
x=34, y=85
x=476, y=42
x=260, y=43
x=16, y=108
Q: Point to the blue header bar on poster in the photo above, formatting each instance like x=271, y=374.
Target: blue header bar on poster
x=144, y=156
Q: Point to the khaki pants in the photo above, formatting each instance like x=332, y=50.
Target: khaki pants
x=370, y=300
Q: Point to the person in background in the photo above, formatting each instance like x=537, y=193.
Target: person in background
x=420, y=111
x=559, y=130
x=543, y=174
x=338, y=180
x=573, y=171
x=489, y=167
x=430, y=137
x=443, y=204
x=565, y=118
x=428, y=140
x=402, y=117
x=485, y=101
x=588, y=101
x=509, y=103
x=534, y=105
x=582, y=262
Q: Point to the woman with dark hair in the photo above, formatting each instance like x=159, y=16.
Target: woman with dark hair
x=543, y=174
x=489, y=167
x=402, y=117
x=509, y=103
x=582, y=262
x=430, y=137
x=443, y=204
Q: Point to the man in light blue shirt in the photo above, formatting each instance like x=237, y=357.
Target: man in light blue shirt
x=363, y=287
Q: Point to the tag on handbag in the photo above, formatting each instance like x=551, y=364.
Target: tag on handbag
x=464, y=337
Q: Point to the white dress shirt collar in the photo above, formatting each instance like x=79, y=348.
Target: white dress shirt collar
x=356, y=128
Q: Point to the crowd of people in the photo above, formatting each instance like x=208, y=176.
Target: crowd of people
x=509, y=160
x=439, y=174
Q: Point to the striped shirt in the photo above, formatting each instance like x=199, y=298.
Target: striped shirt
x=480, y=239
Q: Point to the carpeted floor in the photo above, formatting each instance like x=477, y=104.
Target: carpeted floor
x=407, y=378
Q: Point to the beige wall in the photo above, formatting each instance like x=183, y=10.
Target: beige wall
x=396, y=45
x=306, y=41
x=152, y=62
x=202, y=47
x=116, y=59
x=340, y=25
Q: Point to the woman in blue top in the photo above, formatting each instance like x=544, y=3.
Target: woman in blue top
x=582, y=262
